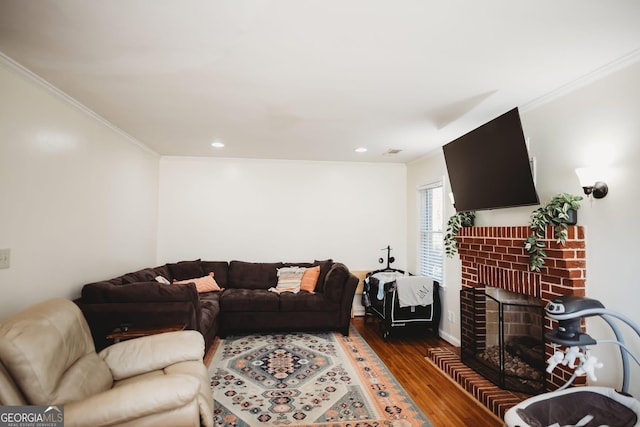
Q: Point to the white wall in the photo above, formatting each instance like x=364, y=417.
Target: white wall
x=425, y=171
x=278, y=210
x=595, y=125
x=78, y=201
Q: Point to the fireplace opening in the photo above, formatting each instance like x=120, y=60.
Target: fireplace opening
x=503, y=338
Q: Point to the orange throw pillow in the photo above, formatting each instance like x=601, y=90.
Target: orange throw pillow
x=310, y=279
x=203, y=284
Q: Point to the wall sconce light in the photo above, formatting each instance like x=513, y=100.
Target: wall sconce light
x=590, y=185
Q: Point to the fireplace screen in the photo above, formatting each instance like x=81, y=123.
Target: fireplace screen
x=503, y=338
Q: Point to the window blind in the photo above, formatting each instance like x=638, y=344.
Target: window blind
x=431, y=231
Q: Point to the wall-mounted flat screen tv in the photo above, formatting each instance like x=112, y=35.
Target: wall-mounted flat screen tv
x=489, y=167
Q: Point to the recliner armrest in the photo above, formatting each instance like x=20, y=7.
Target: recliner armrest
x=133, y=401
x=134, y=357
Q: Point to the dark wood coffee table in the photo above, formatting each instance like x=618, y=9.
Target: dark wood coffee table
x=118, y=334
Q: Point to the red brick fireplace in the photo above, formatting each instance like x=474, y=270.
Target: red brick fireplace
x=495, y=257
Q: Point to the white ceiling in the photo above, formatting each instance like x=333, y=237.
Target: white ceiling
x=312, y=79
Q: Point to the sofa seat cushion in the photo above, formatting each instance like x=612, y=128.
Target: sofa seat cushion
x=210, y=296
x=210, y=310
x=306, y=301
x=249, y=300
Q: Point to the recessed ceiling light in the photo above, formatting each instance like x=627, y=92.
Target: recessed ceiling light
x=361, y=150
x=217, y=144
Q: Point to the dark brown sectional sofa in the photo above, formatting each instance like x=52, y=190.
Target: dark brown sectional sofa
x=245, y=305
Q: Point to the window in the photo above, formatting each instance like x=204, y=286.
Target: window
x=431, y=231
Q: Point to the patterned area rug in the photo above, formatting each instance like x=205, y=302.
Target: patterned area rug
x=303, y=379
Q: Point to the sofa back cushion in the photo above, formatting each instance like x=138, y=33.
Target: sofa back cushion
x=144, y=275
x=253, y=275
x=105, y=292
x=48, y=352
x=163, y=271
x=185, y=270
x=220, y=270
x=325, y=266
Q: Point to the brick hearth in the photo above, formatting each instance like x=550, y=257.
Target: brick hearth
x=491, y=396
x=495, y=257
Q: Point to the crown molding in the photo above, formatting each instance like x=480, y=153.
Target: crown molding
x=591, y=77
x=39, y=81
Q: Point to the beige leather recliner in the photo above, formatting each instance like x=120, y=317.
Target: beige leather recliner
x=47, y=357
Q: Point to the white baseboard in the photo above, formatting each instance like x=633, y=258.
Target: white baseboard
x=357, y=311
x=450, y=339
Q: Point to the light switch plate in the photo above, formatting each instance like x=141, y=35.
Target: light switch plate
x=5, y=258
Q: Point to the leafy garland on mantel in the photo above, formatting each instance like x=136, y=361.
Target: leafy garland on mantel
x=455, y=223
x=556, y=213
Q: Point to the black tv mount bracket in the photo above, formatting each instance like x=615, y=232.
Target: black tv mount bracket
x=390, y=259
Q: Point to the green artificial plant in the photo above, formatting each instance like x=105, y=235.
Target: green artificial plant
x=455, y=223
x=556, y=213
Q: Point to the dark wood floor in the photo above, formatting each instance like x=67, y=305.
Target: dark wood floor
x=441, y=400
